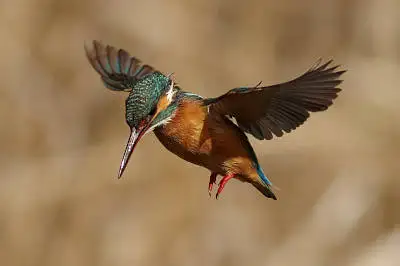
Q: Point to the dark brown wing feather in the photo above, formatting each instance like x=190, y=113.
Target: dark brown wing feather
x=118, y=70
x=273, y=110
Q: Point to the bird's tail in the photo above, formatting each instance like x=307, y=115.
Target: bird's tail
x=262, y=183
x=265, y=189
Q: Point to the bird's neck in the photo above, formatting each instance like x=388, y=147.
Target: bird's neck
x=180, y=99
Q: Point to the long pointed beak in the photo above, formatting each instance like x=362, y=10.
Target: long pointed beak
x=133, y=140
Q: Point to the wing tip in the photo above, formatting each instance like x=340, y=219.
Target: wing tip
x=105, y=61
x=115, y=66
x=328, y=65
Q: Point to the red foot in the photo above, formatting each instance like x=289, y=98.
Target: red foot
x=222, y=183
x=213, y=178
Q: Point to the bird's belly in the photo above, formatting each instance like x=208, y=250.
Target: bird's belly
x=211, y=142
x=186, y=144
x=188, y=135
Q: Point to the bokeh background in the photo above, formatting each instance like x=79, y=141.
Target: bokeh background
x=62, y=136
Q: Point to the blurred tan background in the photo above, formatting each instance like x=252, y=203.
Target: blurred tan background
x=62, y=136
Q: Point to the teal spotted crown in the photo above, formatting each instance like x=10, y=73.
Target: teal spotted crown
x=143, y=98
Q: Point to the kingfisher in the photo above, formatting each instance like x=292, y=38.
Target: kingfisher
x=211, y=132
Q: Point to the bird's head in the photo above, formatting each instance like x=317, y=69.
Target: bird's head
x=150, y=104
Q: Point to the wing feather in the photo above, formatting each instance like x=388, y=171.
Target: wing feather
x=118, y=70
x=274, y=110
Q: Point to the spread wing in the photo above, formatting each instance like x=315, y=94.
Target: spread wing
x=118, y=70
x=273, y=110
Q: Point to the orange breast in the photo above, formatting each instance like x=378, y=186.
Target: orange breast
x=186, y=134
x=212, y=142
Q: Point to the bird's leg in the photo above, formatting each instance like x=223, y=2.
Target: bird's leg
x=213, y=178
x=222, y=183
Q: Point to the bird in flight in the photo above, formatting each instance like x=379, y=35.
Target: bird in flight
x=211, y=132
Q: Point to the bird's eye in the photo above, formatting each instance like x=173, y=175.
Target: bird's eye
x=153, y=111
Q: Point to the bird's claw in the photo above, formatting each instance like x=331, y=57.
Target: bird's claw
x=213, y=179
x=210, y=189
x=222, y=184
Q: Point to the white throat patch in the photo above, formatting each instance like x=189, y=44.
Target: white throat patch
x=171, y=92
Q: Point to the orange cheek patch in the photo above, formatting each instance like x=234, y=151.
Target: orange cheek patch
x=162, y=104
